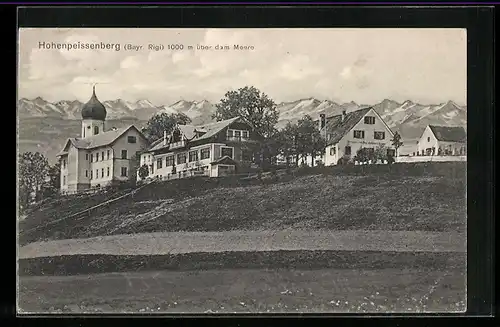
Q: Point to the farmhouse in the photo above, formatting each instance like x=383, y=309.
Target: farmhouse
x=347, y=133
x=442, y=140
x=99, y=156
x=214, y=150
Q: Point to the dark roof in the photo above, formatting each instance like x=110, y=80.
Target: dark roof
x=449, y=134
x=189, y=131
x=94, y=109
x=226, y=160
x=98, y=140
x=338, y=128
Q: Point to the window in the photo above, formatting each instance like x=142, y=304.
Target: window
x=124, y=154
x=124, y=171
x=91, y=157
x=379, y=135
x=245, y=134
x=102, y=172
x=237, y=133
x=359, y=134
x=108, y=154
x=131, y=139
x=347, y=151
x=102, y=155
x=159, y=163
x=91, y=175
x=230, y=133
x=333, y=151
x=108, y=171
x=392, y=152
x=370, y=120
x=64, y=163
x=169, y=161
x=227, y=152
x=86, y=156
x=428, y=139
x=205, y=153
x=86, y=173
x=181, y=158
x=246, y=155
x=193, y=156
x=96, y=130
x=64, y=180
x=97, y=156
x=97, y=173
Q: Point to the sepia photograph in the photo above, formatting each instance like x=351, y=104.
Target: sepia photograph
x=215, y=171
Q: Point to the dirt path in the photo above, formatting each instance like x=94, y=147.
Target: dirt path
x=188, y=242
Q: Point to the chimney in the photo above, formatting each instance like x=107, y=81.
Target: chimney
x=343, y=115
x=164, y=137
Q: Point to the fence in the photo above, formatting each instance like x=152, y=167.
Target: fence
x=408, y=159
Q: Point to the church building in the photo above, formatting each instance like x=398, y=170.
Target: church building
x=100, y=156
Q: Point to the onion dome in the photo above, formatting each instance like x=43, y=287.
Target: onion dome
x=94, y=109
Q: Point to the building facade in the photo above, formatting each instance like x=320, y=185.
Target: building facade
x=442, y=140
x=347, y=133
x=214, y=150
x=99, y=156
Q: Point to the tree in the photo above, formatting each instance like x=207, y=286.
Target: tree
x=396, y=142
x=310, y=141
x=53, y=183
x=143, y=171
x=33, y=171
x=286, y=141
x=253, y=106
x=381, y=153
x=164, y=122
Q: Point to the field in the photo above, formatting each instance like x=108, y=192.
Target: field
x=341, y=239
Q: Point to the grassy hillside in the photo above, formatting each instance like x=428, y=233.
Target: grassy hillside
x=424, y=196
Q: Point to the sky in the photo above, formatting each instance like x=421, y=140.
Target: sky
x=428, y=66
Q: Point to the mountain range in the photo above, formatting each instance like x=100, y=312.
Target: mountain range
x=61, y=118
x=395, y=114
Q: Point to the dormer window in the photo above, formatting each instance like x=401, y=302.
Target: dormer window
x=176, y=136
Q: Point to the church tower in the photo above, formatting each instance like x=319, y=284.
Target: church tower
x=93, y=117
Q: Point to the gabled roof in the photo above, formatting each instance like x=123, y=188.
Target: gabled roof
x=226, y=160
x=190, y=132
x=98, y=140
x=338, y=128
x=449, y=134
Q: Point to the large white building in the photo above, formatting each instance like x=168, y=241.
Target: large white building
x=348, y=132
x=214, y=149
x=100, y=156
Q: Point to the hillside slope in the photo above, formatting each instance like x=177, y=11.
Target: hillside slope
x=398, y=197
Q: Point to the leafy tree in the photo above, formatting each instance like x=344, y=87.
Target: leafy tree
x=381, y=153
x=268, y=150
x=365, y=155
x=396, y=142
x=253, y=106
x=310, y=142
x=164, y=122
x=286, y=141
x=33, y=171
x=143, y=171
x=53, y=183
